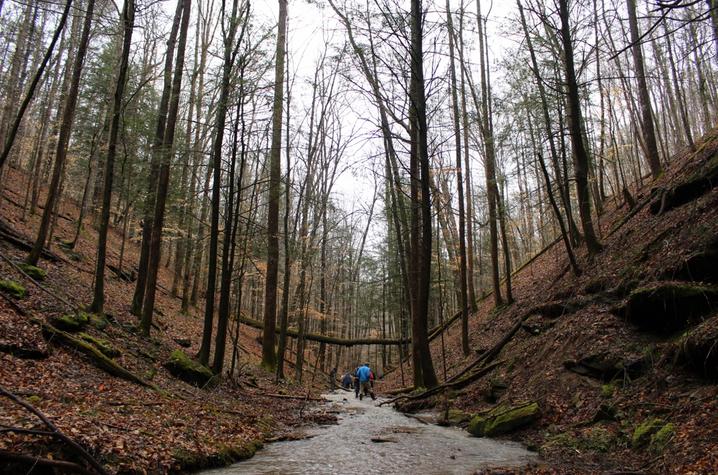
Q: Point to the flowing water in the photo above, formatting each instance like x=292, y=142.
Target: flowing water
x=401, y=445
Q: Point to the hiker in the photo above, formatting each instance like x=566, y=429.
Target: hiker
x=364, y=374
x=355, y=380
x=333, y=378
x=347, y=381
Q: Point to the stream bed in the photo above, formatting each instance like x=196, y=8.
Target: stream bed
x=400, y=444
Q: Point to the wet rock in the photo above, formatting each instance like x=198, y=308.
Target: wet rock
x=669, y=306
x=382, y=440
x=502, y=420
x=457, y=416
x=183, y=367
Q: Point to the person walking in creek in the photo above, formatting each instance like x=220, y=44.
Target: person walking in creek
x=364, y=375
x=333, y=379
x=347, y=381
x=355, y=380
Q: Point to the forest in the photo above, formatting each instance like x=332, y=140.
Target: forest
x=207, y=207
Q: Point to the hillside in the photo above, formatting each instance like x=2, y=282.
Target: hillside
x=622, y=360
x=157, y=423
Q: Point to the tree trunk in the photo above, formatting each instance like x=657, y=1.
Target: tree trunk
x=63, y=140
x=580, y=155
x=128, y=21
x=275, y=189
x=166, y=151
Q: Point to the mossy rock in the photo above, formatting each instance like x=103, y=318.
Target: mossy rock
x=594, y=439
x=185, y=368
x=643, y=433
x=13, y=288
x=607, y=391
x=457, y=416
x=670, y=306
x=98, y=321
x=104, y=346
x=502, y=420
x=33, y=271
x=661, y=439
x=71, y=322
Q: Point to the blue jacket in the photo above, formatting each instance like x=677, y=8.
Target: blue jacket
x=363, y=372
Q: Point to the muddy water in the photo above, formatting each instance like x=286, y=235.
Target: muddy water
x=402, y=445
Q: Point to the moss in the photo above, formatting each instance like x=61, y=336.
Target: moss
x=642, y=434
x=104, y=346
x=225, y=455
x=662, y=438
x=457, y=416
x=607, y=391
x=504, y=419
x=188, y=370
x=34, y=399
x=71, y=322
x=13, y=288
x=595, y=439
x=33, y=271
x=98, y=321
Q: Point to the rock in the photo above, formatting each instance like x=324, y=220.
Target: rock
x=98, y=321
x=701, y=267
x=502, y=420
x=699, y=348
x=381, y=440
x=662, y=438
x=457, y=416
x=497, y=388
x=643, y=433
x=669, y=306
x=695, y=186
x=12, y=288
x=606, y=367
x=33, y=271
x=183, y=367
x=71, y=322
x=183, y=342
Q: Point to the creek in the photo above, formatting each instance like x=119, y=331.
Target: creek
x=373, y=439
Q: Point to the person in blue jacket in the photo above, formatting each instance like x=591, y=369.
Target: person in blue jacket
x=364, y=375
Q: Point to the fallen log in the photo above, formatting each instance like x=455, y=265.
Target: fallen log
x=289, y=396
x=327, y=339
x=32, y=461
x=96, y=355
x=9, y=235
x=55, y=432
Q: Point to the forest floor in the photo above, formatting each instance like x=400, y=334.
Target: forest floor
x=129, y=428
x=614, y=355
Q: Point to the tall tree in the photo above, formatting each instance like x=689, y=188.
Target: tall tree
x=166, y=151
x=275, y=190
x=128, y=21
x=420, y=264
x=63, y=140
x=459, y=186
x=649, y=132
x=578, y=145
